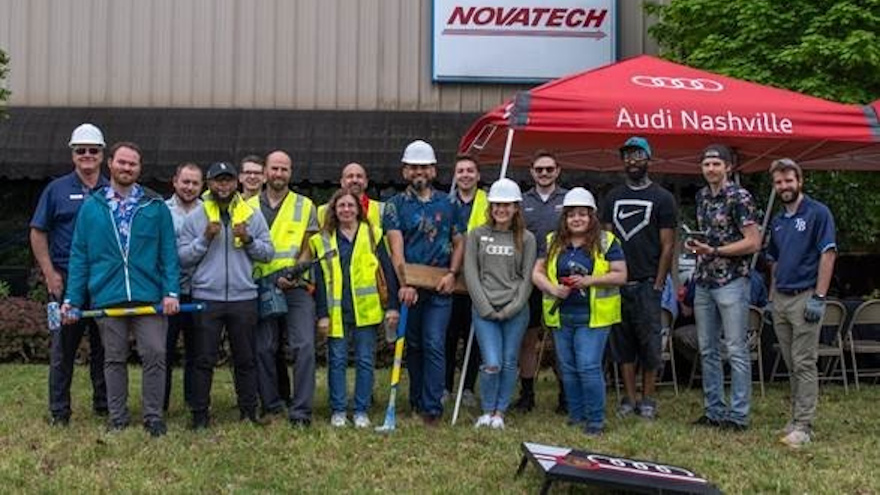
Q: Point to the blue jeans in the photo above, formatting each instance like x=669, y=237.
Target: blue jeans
x=499, y=346
x=364, y=339
x=426, y=351
x=579, y=351
x=723, y=312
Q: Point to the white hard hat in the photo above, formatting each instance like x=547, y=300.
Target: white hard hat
x=419, y=153
x=504, y=191
x=579, y=196
x=87, y=134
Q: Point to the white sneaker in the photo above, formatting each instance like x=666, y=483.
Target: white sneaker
x=469, y=399
x=789, y=427
x=484, y=420
x=796, y=439
x=361, y=420
x=497, y=422
x=338, y=420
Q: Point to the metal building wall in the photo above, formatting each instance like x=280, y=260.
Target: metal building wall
x=302, y=54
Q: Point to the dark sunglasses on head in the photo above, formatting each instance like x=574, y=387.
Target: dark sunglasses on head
x=544, y=170
x=91, y=151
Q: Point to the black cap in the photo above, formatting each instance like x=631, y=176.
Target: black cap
x=718, y=151
x=221, y=168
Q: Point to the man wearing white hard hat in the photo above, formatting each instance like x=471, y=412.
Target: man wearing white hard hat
x=424, y=226
x=50, y=235
x=499, y=258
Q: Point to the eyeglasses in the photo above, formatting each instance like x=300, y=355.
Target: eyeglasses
x=635, y=154
x=544, y=170
x=252, y=172
x=91, y=151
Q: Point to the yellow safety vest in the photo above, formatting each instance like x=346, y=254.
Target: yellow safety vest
x=374, y=215
x=479, y=212
x=240, y=211
x=604, y=301
x=362, y=272
x=287, y=232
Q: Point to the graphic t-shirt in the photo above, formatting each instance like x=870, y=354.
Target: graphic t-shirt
x=636, y=217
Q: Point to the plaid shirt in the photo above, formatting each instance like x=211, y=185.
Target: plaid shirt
x=723, y=218
x=122, y=209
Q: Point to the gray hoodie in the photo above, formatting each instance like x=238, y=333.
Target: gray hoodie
x=223, y=272
x=498, y=277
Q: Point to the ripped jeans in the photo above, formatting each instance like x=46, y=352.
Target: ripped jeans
x=499, y=347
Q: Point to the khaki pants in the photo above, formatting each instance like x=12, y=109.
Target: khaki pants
x=799, y=343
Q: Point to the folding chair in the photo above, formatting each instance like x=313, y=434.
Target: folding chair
x=755, y=325
x=868, y=313
x=835, y=317
x=667, y=321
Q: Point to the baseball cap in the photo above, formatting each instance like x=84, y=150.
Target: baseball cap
x=636, y=142
x=221, y=168
x=717, y=151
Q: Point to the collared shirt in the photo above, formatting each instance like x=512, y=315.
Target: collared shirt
x=428, y=227
x=723, y=217
x=465, y=207
x=270, y=213
x=542, y=217
x=178, y=216
x=56, y=214
x=576, y=307
x=122, y=209
x=797, y=242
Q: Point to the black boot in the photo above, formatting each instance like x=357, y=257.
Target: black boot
x=526, y=401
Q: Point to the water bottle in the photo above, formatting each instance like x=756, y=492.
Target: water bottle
x=53, y=314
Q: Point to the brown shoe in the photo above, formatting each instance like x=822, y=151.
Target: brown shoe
x=431, y=421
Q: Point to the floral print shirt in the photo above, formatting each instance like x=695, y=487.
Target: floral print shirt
x=428, y=227
x=122, y=209
x=723, y=217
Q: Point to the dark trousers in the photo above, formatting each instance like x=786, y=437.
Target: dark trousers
x=459, y=328
x=240, y=320
x=180, y=325
x=65, y=343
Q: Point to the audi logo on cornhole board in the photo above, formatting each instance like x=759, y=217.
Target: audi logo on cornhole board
x=685, y=83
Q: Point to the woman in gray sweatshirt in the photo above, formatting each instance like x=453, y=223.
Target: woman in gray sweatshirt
x=498, y=261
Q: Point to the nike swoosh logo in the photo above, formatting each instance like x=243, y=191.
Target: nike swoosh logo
x=623, y=216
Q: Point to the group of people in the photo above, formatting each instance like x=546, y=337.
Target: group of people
x=274, y=271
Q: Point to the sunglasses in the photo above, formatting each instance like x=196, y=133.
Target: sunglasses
x=544, y=170
x=91, y=151
x=635, y=155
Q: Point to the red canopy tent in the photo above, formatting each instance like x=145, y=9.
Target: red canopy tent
x=585, y=118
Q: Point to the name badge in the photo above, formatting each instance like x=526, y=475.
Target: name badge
x=76, y=196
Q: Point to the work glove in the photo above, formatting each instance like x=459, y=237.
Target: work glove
x=815, y=309
x=298, y=270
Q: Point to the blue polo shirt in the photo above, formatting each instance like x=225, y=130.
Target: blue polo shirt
x=56, y=214
x=797, y=241
x=428, y=227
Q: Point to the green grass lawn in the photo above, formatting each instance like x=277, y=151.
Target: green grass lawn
x=238, y=457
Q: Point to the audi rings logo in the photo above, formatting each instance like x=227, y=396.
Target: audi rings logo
x=678, y=83
x=499, y=250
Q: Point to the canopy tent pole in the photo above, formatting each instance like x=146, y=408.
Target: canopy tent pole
x=767, y=215
x=506, y=159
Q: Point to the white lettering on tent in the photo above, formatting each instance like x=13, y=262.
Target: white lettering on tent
x=759, y=123
x=661, y=119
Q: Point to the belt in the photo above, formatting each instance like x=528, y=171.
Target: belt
x=793, y=292
x=640, y=281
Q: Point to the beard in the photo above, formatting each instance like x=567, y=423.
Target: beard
x=789, y=196
x=636, y=174
x=420, y=184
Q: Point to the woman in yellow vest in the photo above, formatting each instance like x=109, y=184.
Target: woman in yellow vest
x=348, y=303
x=580, y=277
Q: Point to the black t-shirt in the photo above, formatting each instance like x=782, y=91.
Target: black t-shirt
x=636, y=216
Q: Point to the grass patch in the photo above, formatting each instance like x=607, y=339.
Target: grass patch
x=238, y=457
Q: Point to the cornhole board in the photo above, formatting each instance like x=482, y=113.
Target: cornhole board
x=613, y=472
x=427, y=277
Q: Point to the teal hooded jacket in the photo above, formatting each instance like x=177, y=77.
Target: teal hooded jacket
x=101, y=272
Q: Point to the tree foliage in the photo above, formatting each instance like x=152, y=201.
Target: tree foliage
x=4, y=93
x=825, y=48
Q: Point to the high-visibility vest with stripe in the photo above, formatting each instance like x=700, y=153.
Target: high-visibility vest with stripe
x=239, y=211
x=287, y=232
x=374, y=215
x=479, y=212
x=362, y=274
x=604, y=301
